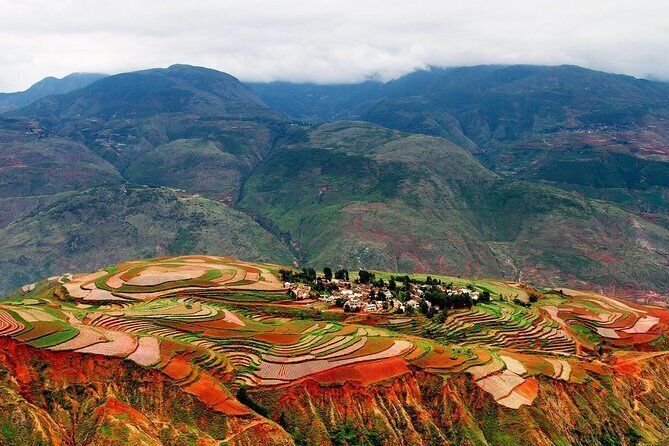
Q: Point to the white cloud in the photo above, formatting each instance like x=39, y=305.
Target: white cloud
x=327, y=41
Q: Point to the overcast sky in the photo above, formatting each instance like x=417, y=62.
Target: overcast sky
x=327, y=41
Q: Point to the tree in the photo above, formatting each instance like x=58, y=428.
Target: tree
x=309, y=274
x=341, y=274
x=365, y=276
x=534, y=297
x=392, y=286
x=287, y=275
x=424, y=307
x=327, y=273
x=484, y=296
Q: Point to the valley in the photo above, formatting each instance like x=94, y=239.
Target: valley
x=362, y=223
x=549, y=201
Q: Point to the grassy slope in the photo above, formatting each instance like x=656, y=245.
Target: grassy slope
x=579, y=129
x=101, y=226
x=182, y=126
x=33, y=165
x=359, y=195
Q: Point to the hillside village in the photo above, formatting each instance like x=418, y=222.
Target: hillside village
x=366, y=293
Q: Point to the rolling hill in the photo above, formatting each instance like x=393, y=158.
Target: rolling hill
x=598, y=134
x=35, y=163
x=356, y=194
x=104, y=225
x=210, y=350
x=197, y=117
x=65, y=160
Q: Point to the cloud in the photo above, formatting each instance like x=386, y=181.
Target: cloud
x=327, y=41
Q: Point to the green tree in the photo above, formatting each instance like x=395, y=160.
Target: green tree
x=365, y=276
x=341, y=274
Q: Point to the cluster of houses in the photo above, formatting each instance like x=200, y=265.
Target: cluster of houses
x=355, y=297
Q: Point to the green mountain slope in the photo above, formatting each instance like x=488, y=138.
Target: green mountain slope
x=346, y=194
x=105, y=225
x=66, y=162
x=37, y=164
x=595, y=133
x=146, y=121
x=355, y=194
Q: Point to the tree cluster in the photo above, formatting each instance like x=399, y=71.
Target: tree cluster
x=307, y=275
x=442, y=300
x=365, y=277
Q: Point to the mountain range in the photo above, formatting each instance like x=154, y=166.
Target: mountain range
x=542, y=174
x=46, y=87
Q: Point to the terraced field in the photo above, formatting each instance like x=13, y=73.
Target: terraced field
x=498, y=324
x=215, y=325
x=595, y=319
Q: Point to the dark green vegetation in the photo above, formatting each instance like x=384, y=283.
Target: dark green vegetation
x=111, y=224
x=599, y=134
x=163, y=126
x=348, y=194
x=45, y=87
x=356, y=194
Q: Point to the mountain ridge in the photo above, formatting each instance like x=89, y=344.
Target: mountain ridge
x=48, y=86
x=561, y=125
x=204, y=132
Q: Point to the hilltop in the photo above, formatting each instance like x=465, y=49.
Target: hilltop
x=211, y=349
x=144, y=122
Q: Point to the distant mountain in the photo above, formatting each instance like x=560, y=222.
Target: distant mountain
x=183, y=127
x=599, y=134
x=166, y=127
x=509, y=100
x=350, y=194
x=141, y=94
x=359, y=195
x=47, y=87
